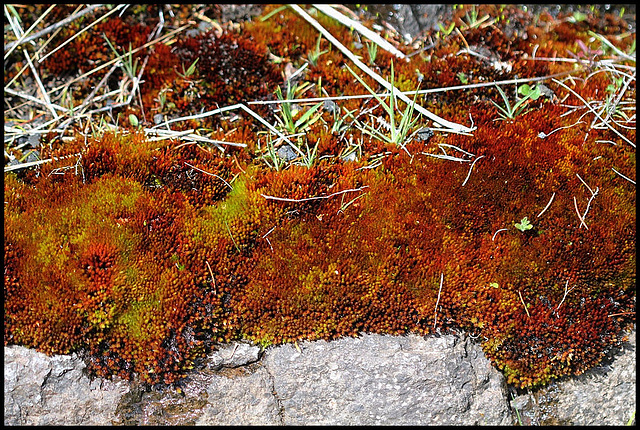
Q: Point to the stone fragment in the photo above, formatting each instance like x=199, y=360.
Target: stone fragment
x=233, y=355
x=42, y=390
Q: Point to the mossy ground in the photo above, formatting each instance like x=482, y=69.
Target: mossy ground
x=145, y=253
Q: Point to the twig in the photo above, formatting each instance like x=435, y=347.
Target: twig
x=547, y=206
x=471, y=168
x=282, y=199
x=435, y=313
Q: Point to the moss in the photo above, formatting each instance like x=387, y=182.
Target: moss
x=159, y=249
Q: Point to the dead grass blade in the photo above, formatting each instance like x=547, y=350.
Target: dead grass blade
x=452, y=127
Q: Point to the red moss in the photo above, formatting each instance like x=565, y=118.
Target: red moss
x=148, y=253
x=233, y=68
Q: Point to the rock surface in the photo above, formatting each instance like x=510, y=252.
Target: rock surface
x=605, y=395
x=42, y=390
x=373, y=379
x=378, y=379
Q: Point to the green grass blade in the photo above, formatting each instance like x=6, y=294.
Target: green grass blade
x=382, y=102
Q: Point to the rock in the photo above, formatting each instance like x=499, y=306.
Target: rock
x=242, y=400
x=373, y=379
x=376, y=379
x=604, y=395
x=233, y=355
x=42, y=390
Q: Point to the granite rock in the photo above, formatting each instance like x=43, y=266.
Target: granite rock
x=372, y=379
x=604, y=395
x=42, y=390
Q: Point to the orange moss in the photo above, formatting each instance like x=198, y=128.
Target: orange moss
x=148, y=253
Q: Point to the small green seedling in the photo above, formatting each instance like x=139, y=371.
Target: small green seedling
x=372, y=48
x=524, y=225
x=186, y=74
x=533, y=93
x=510, y=112
x=314, y=55
x=463, y=78
x=447, y=31
x=577, y=17
x=133, y=120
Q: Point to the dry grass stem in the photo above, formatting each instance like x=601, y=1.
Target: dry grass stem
x=34, y=99
x=523, y=304
x=547, y=206
x=452, y=127
x=37, y=163
x=440, y=145
x=447, y=157
x=225, y=109
x=188, y=134
x=93, y=93
x=11, y=46
x=282, y=199
x=565, y=294
x=496, y=233
x=623, y=176
x=594, y=112
x=36, y=76
x=115, y=60
x=267, y=239
x=351, y=23
x=69, y=40
x=52, y=27
x=210, y=174
x=470, y=169
x=213, y=279
x=582, y=223
x=435, y=314
x=411, y=93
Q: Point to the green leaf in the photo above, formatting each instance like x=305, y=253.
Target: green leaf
x=524, y=225
x=133, y=120
x=304, y=119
